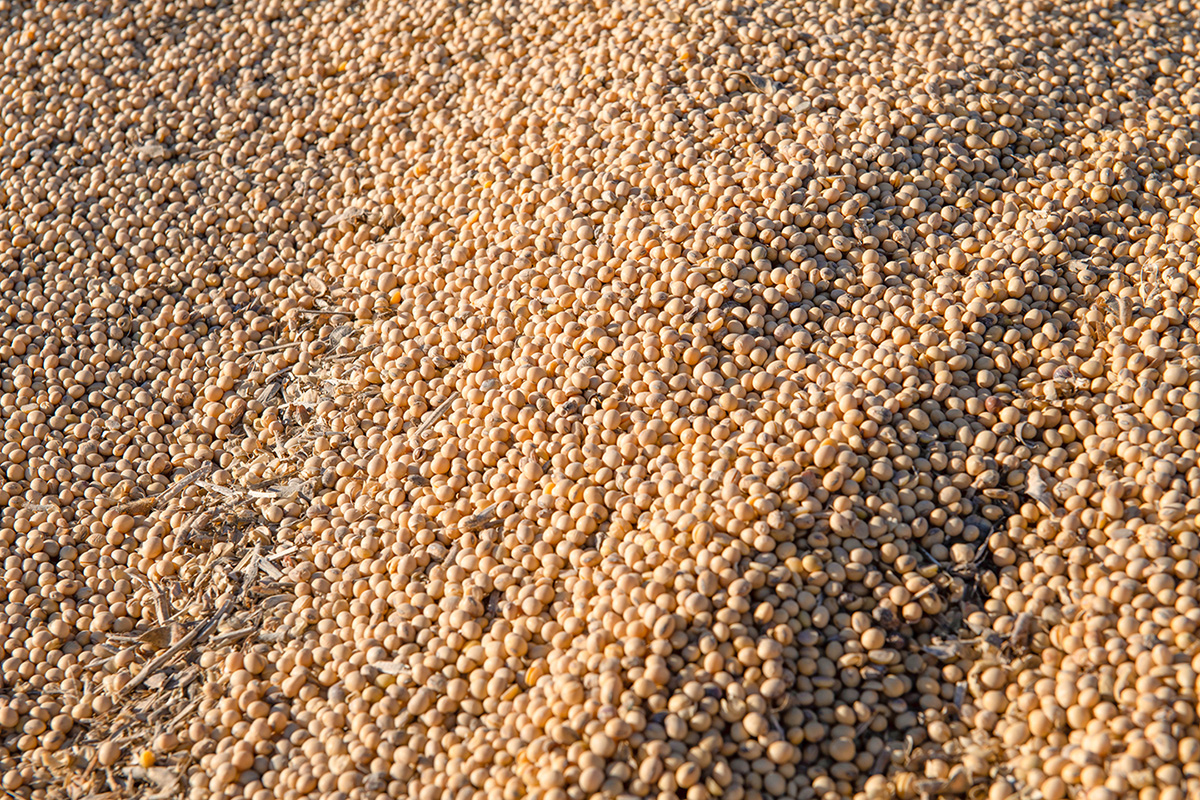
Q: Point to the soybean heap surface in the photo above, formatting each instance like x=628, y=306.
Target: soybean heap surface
x=567, y=400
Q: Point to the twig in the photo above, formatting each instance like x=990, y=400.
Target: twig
x=360, y=351
x=197, y=634
x=287, y=551
x=200, y=631
x=250, y=573
x=391, y=667
x=221, y=490
x=272, y=349
x=232, y=636
x=317, y=311
x=273, y=572
x=186, y=481
x=926, y=553
x=166, y=780
x=479, y=521
x=162, y=605
x=186, y=711
x=268, y=391
x=435, y=416
x=931, y=588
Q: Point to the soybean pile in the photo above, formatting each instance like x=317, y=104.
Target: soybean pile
x=608, y=399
